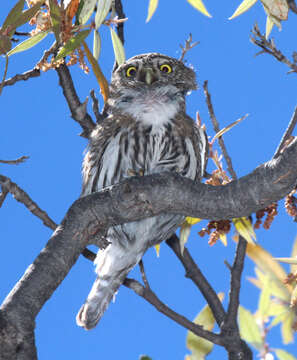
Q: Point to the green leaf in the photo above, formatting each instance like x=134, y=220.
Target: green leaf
x=153, y=4
x=55, y=14
x=264, y=300
x=86, y=11
x=144, y=357
x=243, y=7
x=103, y=7
x=28, y=14
x=96, y=45
x=248, y=327
x=28, y=43
x=13, y=15
x=284, y=355
x=118, y=48
x=198, y=4
x=287, y=330
x=72, y=44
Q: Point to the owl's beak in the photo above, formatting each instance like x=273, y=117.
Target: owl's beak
x=148, y=76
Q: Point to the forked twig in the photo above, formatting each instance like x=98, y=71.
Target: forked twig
x=189, y=44
x=16, y=161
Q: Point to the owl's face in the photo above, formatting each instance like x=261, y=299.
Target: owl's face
x=154, y=70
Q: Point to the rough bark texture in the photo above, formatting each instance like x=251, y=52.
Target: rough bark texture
x=139, y=197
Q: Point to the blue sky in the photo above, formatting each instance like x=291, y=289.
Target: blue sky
x=36, y=122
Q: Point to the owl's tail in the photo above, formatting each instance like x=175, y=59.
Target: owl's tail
x=113, y=264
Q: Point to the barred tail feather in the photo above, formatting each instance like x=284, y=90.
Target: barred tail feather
x=113, y=265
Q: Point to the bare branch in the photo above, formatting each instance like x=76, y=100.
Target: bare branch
x=287, y=134
x=16, y=161
x=25, y=76
x=78, y=109
x=152, y=298
x=189, y=44
x=121, y=15
x=21, y=196
x=194, y=273
x=217, y=129
x=268, y=46
x=143, y=274
x=95, y=107
x=4, y=74
x=292, y=6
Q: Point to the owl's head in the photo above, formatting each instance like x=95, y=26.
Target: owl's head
x=154, y=70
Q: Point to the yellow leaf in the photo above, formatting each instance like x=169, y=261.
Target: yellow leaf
x=104, y=88
x=277, y=8
x=268, y=265
x=192, y=221
x=264, y=300
x=118, y=48
x=288, y=260
x=269, y=26
x=294, y=297
x=223, y=239
x=199, y=346
x=243, y=7
x=245, y=229
x=157, y=248
x=184, y=234
x=248, y=328
x=284, y=355
x=198, y=4
x=287, y=331
x=153, y=4
x=293, y=267
x=272, y=18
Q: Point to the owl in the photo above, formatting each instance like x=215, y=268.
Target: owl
x=146, y=131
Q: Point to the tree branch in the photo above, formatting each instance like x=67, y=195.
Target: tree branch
x=24, y=76
x=78, y=109
x=151, y=297
x=133, y=199
x=16, y=161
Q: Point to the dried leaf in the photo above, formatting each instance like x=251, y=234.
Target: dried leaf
x=277, y=8
x=153, y=4
x=242, y=8
x=72, y=8
x=269, y=26
x=27, y=15
x=198, y=4
x=86, y=11
x=223, y=238
x=227, y=128
x=104, y=88
x=72, y=44
x=118, y=48
x=28, y=43
x=103, y=7
x=248, y=327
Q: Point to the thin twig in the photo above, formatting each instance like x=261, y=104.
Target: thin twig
x=143, y=274
x=152, y=298
x=217, y=129
x=292, y=6
x=21, y=196
x=268, y=46
x=235, y=283
x=78, y=109
x=5, y=73
x=287, y=134
x=95, y=107
x=16, y=161
x=19, y=33
x=25, y=76
x=189, y=44
x=121, y=15
x=194, y=273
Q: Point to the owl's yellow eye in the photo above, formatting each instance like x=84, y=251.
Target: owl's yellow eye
x=166, y=68
x=131, y=71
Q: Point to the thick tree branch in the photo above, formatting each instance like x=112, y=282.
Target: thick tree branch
x=134, y=199
x=78, y=109
x=19, y=77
